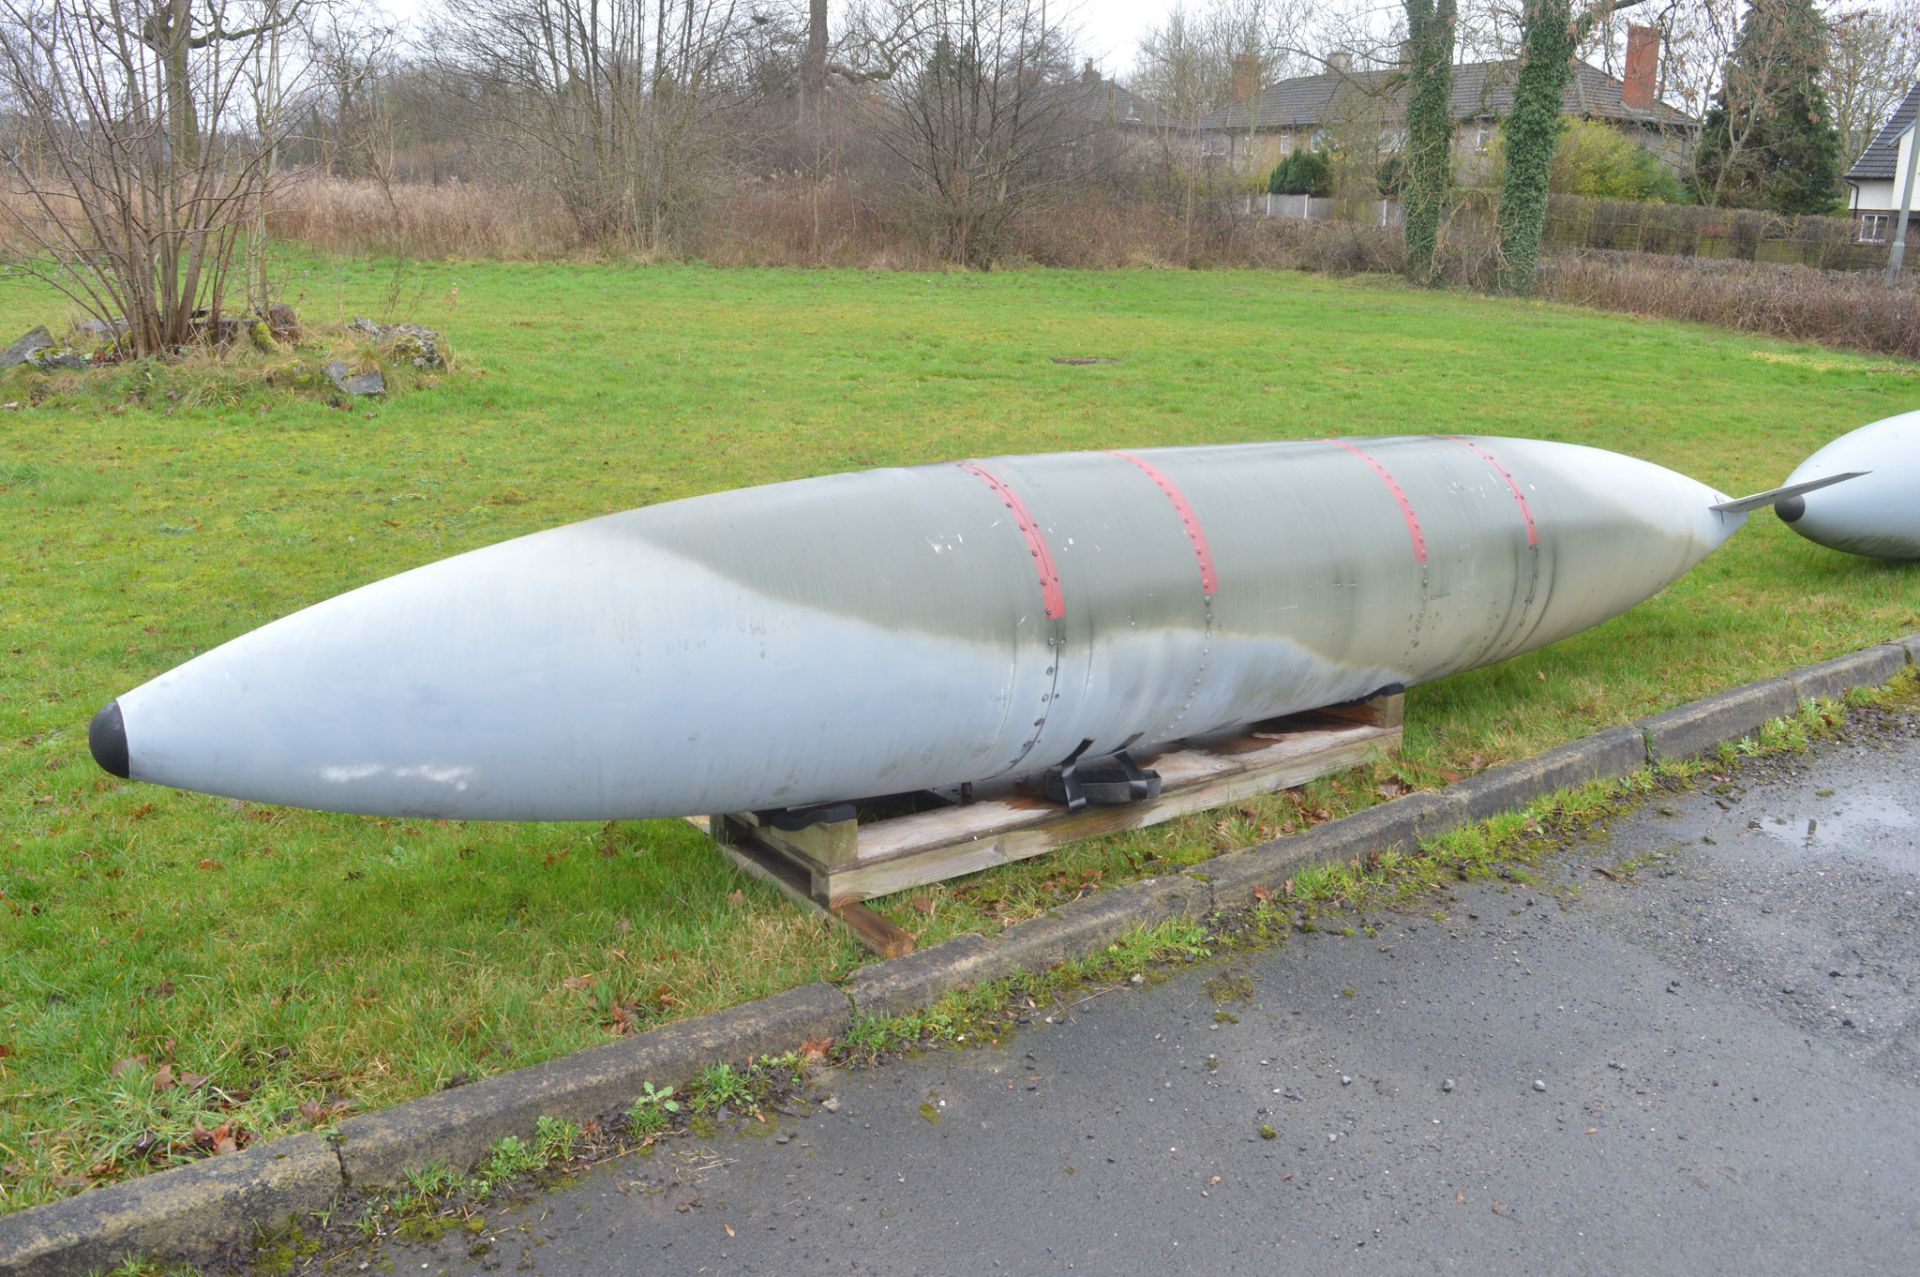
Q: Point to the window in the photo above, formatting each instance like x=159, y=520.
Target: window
x=1873, y=228
x=1482, y=136
x=1214, y=144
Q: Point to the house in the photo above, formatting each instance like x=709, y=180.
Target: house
x=1876, y=177
x=1257, y=128
x=1099, y=101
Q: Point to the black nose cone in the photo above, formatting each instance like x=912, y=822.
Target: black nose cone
x=1791, y=509
x=107, y=738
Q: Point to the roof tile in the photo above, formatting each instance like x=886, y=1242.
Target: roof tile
x=1480, y=90
x=1877, y=162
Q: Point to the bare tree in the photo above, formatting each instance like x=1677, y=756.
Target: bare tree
x=352, y=51
x=610, y=101
x=984, y=117
x=1873, y=57
x=146, y=151
x=1186, y=63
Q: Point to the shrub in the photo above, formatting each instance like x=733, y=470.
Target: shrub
x=1303, y=173
x=1595, y=160
x=1599, y=162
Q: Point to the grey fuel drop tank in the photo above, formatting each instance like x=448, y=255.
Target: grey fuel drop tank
x=896, y=629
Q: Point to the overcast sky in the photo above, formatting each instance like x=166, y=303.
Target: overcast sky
x=1111, y=29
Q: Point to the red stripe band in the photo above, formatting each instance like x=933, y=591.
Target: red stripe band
x=1053, y=601
x=1406, y=506
x=1209, y=583
x=1533, y=537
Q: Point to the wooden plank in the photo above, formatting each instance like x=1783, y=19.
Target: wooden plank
x=833, y=866
x=794, y=881
x=826, y=845
x=873, y=931
x=1377, y=711
x=1186, y=776
x=938, y=861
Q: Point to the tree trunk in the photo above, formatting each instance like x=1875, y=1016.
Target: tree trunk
x=1429, y=177
x=1532, y=131
x=813, y=70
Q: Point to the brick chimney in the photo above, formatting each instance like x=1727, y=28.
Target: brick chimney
x=1246, y=76
x=1340, y=63
x=1643, y=66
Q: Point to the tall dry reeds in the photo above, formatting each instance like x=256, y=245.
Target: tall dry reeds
x=449, y=220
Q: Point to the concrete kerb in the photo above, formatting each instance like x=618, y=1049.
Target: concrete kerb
x=184, y=1212
x=1610, y=755
x=192, y=1209
x=1091, y=923
x=458, y=1126
x=1698, y=727
x=1390, y=826
x=1869, y=667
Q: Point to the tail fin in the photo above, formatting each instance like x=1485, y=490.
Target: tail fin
x=1772, y=495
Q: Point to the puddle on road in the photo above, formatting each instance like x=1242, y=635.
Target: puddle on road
x=1862, y=826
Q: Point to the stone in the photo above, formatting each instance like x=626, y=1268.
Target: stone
x=365, y=383
x=100, y=332
x=24, y=346
x=417, y=345
x=283, y=323
x=261, y=333
x=56, y=359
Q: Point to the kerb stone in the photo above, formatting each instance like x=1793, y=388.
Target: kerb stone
x=1698, y=727
x=1608, y=755
x=459, y=1125
x=1090, y=924
x=918, y=979
x=185, y=1213
x=1391, y=826
x=1868, y=667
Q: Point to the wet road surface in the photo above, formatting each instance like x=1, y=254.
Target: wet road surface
x=1711, y=1065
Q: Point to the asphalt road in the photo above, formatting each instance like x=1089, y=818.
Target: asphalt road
x=1710, y=1066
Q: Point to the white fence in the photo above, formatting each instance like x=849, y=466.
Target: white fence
x=1312, y=208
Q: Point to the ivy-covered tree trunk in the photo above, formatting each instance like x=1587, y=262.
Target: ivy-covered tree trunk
x=1530, y=133
x=1430, y=27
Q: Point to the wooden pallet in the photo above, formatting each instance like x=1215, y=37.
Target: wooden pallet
x=833, y=866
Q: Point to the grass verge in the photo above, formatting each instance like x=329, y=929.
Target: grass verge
x=181, y=974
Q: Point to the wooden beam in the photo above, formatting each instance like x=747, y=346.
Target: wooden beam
x=833, y=866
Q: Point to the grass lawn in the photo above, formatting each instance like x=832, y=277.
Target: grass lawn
x=170, y=961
